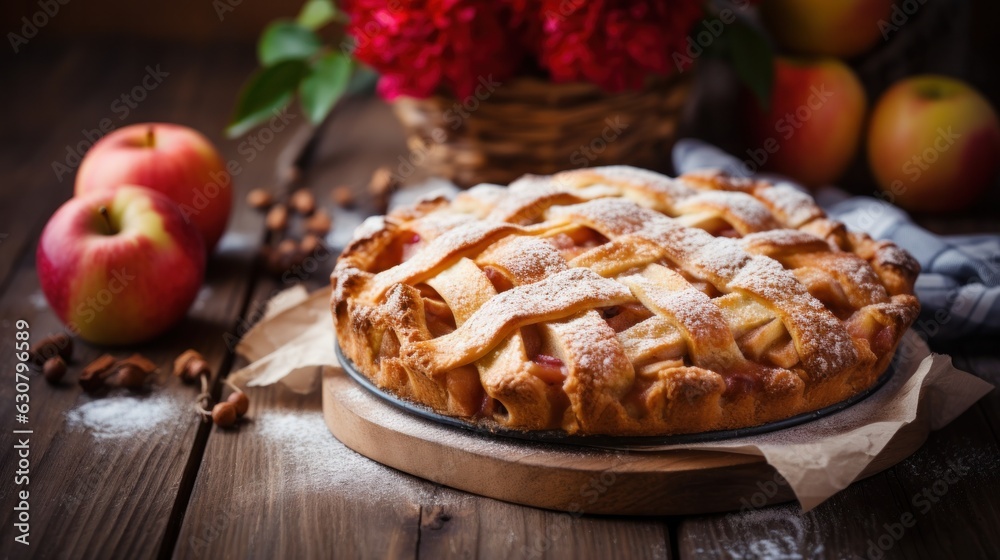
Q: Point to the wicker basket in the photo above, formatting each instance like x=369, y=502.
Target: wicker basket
x=529, y=125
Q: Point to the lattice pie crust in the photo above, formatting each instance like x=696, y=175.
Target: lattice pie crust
x=619, y=301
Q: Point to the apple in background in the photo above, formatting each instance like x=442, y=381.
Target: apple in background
x=933, y=143
x=814, y=125
x=823, y=27
x=120, y=266
x=172, y=159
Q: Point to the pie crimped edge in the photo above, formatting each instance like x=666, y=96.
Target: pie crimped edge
x=619, y=301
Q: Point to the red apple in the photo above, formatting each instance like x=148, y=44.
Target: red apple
x=172, y=159
x=813, y=126
x=120, y=266
x=824, y=27
x=933, y=143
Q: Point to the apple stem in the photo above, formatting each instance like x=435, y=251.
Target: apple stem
x=107, y=219
x=150, y=137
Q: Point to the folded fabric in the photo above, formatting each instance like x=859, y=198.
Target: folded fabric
x=959, y=284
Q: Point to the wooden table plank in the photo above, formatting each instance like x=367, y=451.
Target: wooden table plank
x=455, y=524
x=295, y=490
x=348, y=503
x=109, y=471
x=838, y=528
x=39, y=126
x=918, y=509
x=952, y=484
x=280, y=485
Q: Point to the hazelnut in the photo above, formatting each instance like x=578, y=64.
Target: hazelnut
x=195, y=368
x=260, y=199
x=381, y=186
x=343, y=196
x=54, y=345
x=303, y=202
x=181, y=364
x=224, y=414
x=319, y=223
x=54, y=369
x=277, y=218
x=92, y=377
x=130, y=376
x=240, y=401
x=141, y=362
x=310, y=243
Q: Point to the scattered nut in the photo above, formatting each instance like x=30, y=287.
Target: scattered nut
x=59, y=344
x=309, y=244
x=128, y=375
x=260, y=199
x=343, y=196
x=54, y=369
x=180, y=362
x=319, y=223
x=282, y=258
x=93, y=376
x=239, y=400
x=224, y=414
x=141, y=362
x=287, y=247
x=292, y=174
x=381, y=186
x=189, y=365
x=196, y=368
x=303, y=202
x=277, y=218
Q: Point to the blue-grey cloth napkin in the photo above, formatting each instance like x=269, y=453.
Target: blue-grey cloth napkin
x=959, y=282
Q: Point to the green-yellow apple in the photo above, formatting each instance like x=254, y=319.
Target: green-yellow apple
x=172, y=159
x=814, y=124
x=120, y=266
x=933, y=143
x=826, y=27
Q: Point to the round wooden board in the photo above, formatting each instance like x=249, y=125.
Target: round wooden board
x=559, y=477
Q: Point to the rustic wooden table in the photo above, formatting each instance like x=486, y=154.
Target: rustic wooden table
x=136, y=476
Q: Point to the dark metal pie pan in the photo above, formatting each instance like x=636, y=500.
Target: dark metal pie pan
x=560, y=437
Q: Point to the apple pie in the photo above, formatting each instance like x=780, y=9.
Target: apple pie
x=619, y=301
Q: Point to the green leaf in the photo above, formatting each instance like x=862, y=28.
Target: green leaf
x=316, y=13
x=286, y=40
x=267, y=91
x=753, y=59
x=325, y=85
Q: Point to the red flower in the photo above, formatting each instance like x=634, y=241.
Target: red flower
x=423, y=46
x=615, y=44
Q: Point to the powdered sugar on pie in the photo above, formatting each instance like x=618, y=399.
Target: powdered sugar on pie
x=621, y=301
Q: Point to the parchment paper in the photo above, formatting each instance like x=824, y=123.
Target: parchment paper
x=294, y=341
